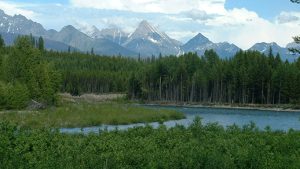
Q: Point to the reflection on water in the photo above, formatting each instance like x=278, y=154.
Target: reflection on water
x=225, y=117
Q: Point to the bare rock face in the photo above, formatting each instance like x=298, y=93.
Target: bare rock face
x=147, y=40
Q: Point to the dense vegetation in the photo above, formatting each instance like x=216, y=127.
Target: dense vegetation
x=248, y=77
x=197, y=146
x=25, y=75
x=88, y=73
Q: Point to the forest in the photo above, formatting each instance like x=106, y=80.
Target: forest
x=248, y=77
x=28, y=72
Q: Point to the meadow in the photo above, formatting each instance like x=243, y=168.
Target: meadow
x=84, y=114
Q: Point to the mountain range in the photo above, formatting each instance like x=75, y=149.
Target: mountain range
x=145, y=41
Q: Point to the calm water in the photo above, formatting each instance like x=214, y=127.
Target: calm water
x=225, y=117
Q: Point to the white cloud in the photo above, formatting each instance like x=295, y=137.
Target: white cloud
x=288, y=17
x=184, y=36
x=14, y=9
x=157, y=6
x=258, y=30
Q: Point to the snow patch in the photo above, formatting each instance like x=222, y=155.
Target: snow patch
x=153, y=40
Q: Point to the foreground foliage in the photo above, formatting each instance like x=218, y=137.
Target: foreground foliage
x=198, y=146
x=82, y=114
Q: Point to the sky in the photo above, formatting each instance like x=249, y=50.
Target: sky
x=242, y=22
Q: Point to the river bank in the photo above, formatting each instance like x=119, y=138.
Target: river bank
x=88, y=110
x=263, y=107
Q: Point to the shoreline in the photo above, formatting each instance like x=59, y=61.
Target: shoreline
x=224, y=106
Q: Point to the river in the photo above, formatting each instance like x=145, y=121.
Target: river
x=277, y=120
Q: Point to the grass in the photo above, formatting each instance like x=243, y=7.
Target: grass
x=82, y=114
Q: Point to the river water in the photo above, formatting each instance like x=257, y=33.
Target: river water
x=223, y=116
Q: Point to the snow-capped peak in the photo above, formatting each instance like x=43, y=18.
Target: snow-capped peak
x=90, y=30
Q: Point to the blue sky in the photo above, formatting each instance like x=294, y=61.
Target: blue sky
x=242, y=22
x=267, y=9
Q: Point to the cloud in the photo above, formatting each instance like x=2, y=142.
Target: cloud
x=153, y=6
x=288, y=17
x=183, y=36
x=198, y=15
x=15, y=8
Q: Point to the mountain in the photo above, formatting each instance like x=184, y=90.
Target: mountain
x=265, y=48
x=12, y=26
x=147, y=40
x=114, y=34
x=70, y=35
x=91, y=31
x=293, y=45
x=9, y=39
x=200, y=43
x=18, y=24
x=285, y=54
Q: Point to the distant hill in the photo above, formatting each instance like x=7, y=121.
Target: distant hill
x=200, y=43
x=285, y=54
x=9, y=39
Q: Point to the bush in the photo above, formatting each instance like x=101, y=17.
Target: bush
x=145, y=147
x=16, y=97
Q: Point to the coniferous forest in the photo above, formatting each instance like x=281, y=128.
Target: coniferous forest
x=30, y=72
x=248, y=77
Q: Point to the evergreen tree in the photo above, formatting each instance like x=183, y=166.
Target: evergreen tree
x=295, y=1
x=25, y=66
x=92, y=51
x=41, y=46
x=2, y=44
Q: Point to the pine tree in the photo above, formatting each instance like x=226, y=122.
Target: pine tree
x=2, y=44
x=92, y=51
x=295, y=1
x=26, y=66
x=41, y=44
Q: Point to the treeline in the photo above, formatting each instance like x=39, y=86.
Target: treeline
x=198, y=146
x=88, y=73
x=248, y=77
x=25, y=76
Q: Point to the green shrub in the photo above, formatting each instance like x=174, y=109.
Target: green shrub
x=17, y=96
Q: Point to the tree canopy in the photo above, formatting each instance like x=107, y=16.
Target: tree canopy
x=25, y=72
